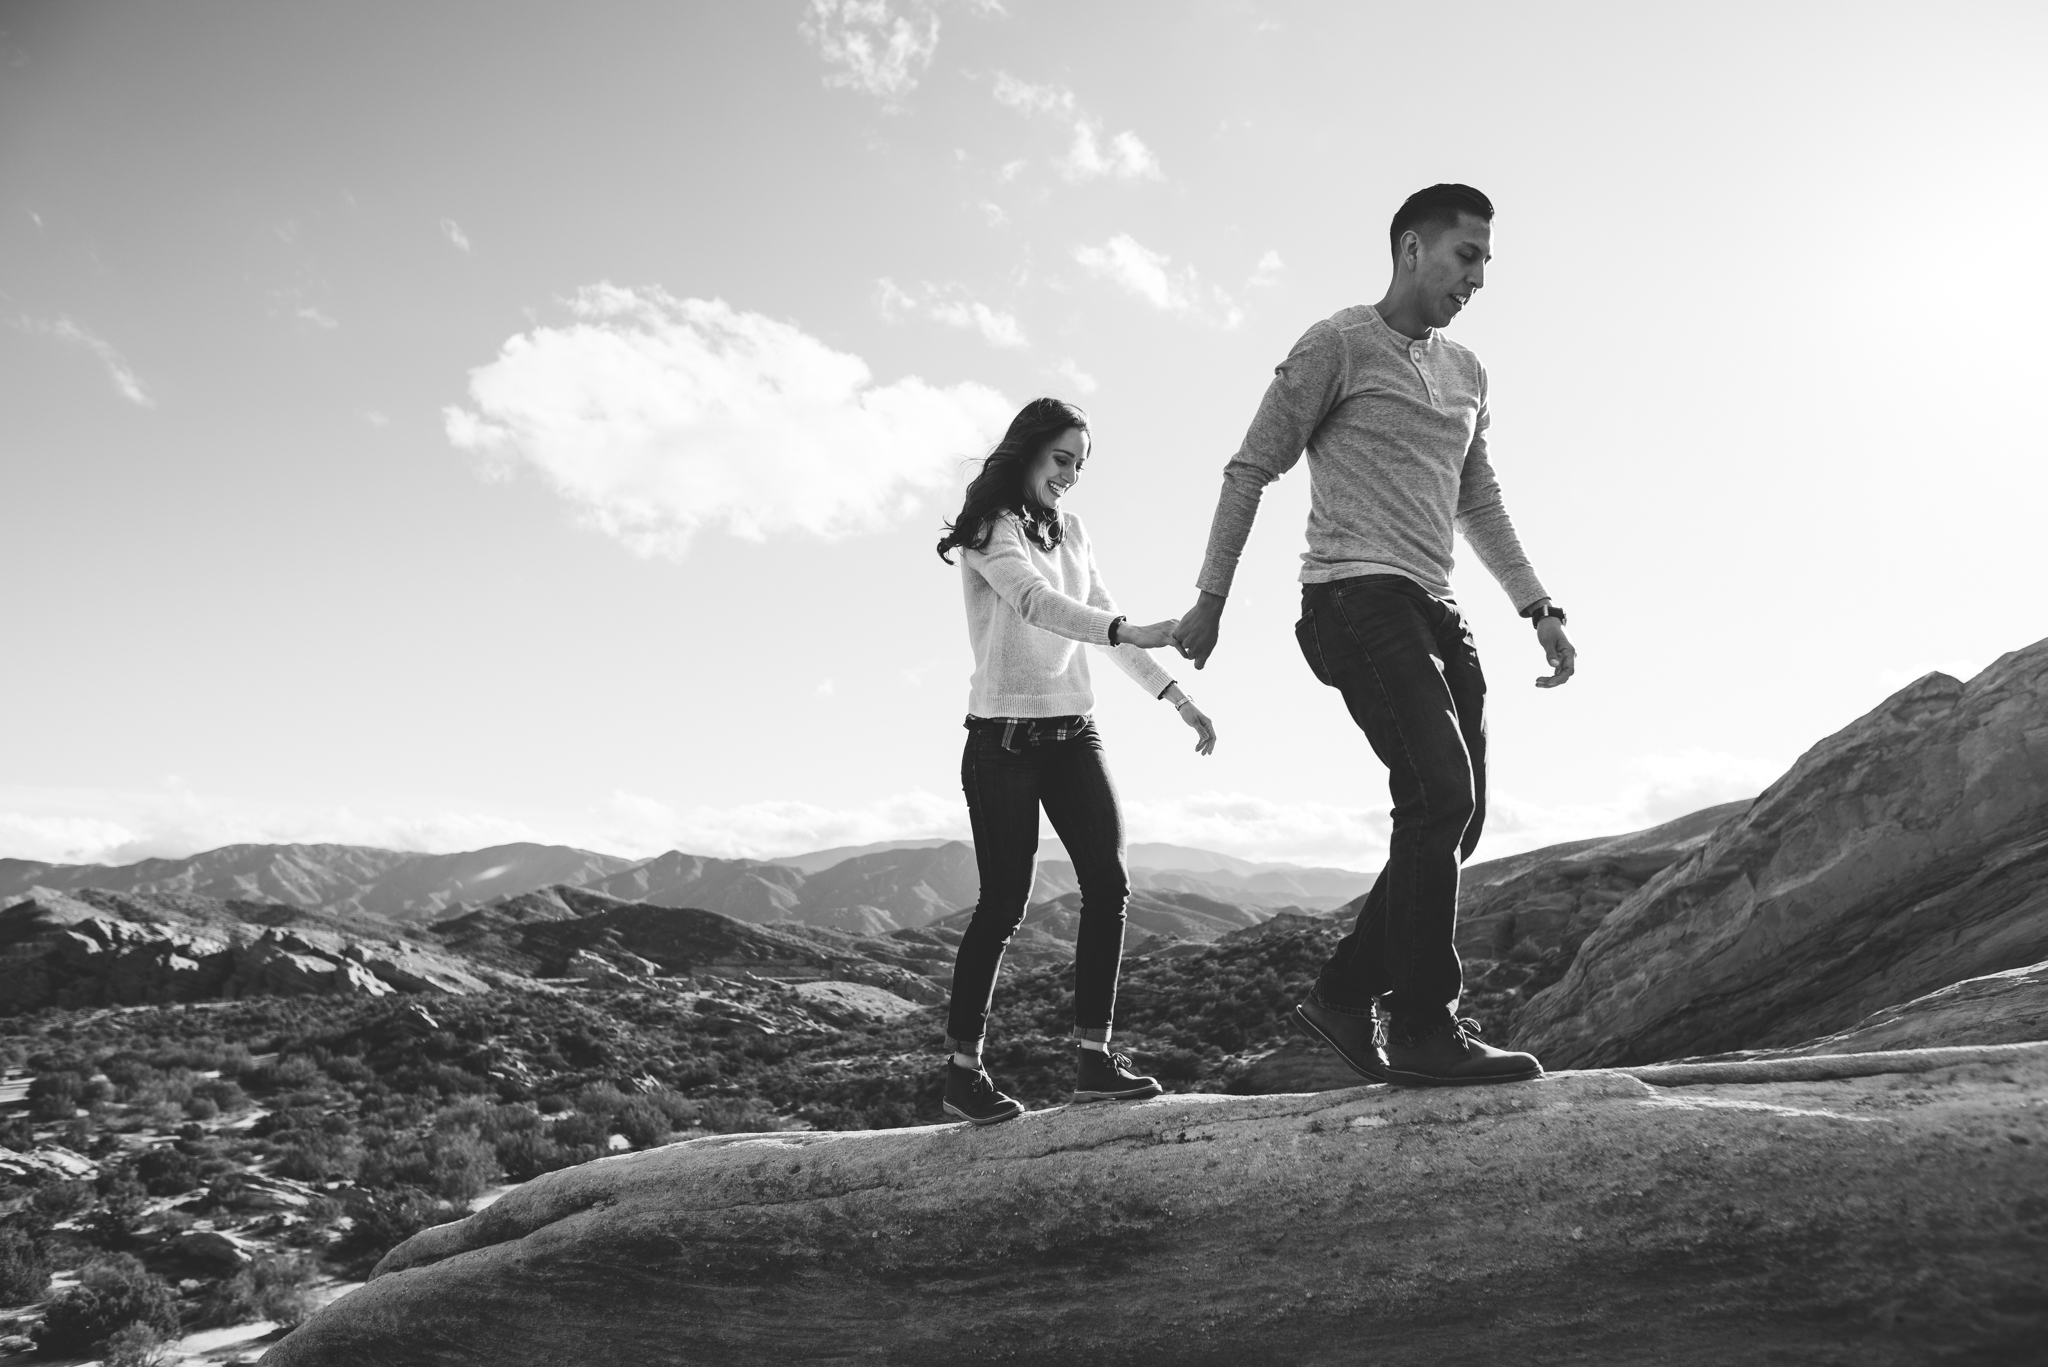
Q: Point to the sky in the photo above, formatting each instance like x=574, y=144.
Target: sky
x=437, y=425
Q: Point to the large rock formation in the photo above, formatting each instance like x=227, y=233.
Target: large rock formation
x=1586, y=1217
x=118, y=949
x=1905, y=853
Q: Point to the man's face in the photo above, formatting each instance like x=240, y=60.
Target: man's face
x=1451, y=265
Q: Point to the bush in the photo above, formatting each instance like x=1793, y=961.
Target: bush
x=112, y=1293
x=167, y=1171
x=24, y=1266
x=317, y=1156
x=61, y=1198
x=381, y=1221
x=138, y=1346
x=272, y=1288
x=225, y=1095
x=460, y=1166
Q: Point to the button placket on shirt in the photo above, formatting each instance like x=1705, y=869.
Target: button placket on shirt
x=1415, y=354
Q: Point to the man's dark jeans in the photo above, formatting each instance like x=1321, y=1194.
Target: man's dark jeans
x=1005, y=789
x=1405, y=663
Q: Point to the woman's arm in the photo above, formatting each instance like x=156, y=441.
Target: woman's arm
x=1009, y=571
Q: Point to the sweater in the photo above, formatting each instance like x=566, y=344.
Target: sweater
x=1395, y=431
x=1029, y=612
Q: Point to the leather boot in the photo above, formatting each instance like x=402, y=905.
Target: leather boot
x=1356, y=1036
x=1453, y=1055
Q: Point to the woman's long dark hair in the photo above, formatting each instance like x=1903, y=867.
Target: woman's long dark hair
x=999, y=488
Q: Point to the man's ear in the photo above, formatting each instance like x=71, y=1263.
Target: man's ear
x=1411, y=249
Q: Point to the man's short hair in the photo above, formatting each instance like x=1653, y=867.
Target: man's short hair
x=1437, y=207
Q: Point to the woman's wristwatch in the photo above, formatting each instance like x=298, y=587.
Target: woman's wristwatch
x=1536, y=615
x=1115, y=622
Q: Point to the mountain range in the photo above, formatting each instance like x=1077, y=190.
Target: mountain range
x=869, y=890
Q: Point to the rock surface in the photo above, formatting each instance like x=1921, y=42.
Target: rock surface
x=1587, y=1217
x=1905, y=853
x=1998, y=1008
x=120, y=949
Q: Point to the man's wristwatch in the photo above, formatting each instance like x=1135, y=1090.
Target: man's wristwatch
x=1547, y=610
x=1114, y=624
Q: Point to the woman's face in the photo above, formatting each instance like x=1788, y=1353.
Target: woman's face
x=1056, y=469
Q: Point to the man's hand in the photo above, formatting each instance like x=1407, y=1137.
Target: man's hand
x=1195, y=637
x=1557, y=649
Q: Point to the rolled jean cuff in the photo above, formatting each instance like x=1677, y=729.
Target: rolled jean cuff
x=963, y=1046
x=1322, y=997
x=1097, y=1033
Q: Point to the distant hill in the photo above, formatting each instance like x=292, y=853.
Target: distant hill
x=396, y=885
x=866, y=890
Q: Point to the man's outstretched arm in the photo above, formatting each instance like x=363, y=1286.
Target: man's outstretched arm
x=1304, y=388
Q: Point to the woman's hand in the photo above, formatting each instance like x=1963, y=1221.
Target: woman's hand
x=1147, y=638
x=1204, y=728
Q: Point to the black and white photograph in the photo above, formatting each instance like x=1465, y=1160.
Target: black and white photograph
x=909, y=683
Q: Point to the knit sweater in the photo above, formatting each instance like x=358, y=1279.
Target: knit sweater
x=1395, y=430
x=1029, y=612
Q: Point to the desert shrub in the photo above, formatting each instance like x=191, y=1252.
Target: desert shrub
x=127, y=1071
x=24, y=1266
x=643, y=1122
x=139, y=1346
x=200, y=1108
x=228, y=1096
x=272, y=1287
x=167, y=1171
x=584, y=1131
x=55, y=1096
x=317, y=1156
x=526, y=1154
x=736, y=1115
x=61, y=1198
x=380, y=1221
x=122, y=1199
x=289, y=1073
x=460, y=1166
x=112, y=1293
x=348, y=1069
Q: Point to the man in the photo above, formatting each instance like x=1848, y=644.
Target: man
x=1393, y=417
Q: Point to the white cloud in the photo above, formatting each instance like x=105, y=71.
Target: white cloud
x=880, y=49
x=1260, y=828
x=306, y=313
x=1151, y=276
x=767, y=830
x=71, y=826
x=1665, y=787
x=993, y=212
x=657, y=416
x=452, y=230
x=1081, y=380
x=1089, y=156
x=824, y=689
x=1125, y=158
x=65, y=330
x=376, y=418
x=951, y=305
x=1267, y=271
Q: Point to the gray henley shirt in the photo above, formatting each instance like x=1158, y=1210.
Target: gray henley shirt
x=1395, y=431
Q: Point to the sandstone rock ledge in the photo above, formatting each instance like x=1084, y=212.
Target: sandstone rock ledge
x=1590, y=1217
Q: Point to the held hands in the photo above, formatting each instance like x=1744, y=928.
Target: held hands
x=1558, y=651
x=1147, y=637
x=1195, y=636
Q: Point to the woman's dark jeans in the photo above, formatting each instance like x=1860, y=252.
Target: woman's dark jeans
x=1405, y=663
x=1005, y=789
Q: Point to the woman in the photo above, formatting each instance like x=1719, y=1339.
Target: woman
x=1034, y=597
